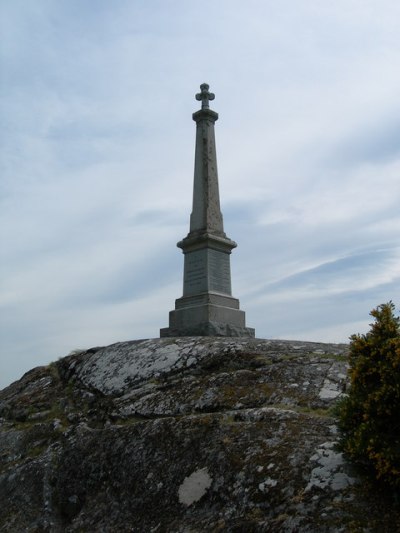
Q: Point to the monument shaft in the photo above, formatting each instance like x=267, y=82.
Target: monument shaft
x=207, y=306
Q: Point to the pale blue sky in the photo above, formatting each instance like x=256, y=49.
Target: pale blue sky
x=97, y=165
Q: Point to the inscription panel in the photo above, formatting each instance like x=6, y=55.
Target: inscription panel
x=195, y=272
x=207, y=270
x=219, y=272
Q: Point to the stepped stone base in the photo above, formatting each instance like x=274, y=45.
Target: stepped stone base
x=209, y=329
x=207, y=314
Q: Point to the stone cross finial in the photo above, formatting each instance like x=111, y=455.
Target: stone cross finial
x=205, y=96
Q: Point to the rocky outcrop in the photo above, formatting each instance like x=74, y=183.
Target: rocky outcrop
x=183, y=435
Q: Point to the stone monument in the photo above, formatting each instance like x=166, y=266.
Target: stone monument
x=207, y=307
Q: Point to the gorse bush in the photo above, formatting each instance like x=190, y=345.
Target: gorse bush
x=369, y=417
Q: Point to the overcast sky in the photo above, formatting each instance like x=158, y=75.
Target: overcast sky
x=97, y=150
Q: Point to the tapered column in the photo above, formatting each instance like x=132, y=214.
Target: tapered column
x=206, y=213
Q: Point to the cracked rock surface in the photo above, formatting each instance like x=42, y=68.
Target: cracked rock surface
x=185, y=435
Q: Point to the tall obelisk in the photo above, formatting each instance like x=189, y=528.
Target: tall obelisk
x=207, y=306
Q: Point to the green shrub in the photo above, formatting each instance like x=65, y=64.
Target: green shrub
x=369, y=417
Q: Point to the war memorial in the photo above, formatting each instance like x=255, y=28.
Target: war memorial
x=207, y=307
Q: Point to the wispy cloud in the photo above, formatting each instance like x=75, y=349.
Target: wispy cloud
x=97, y=163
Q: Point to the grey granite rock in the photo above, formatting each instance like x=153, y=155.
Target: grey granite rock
x=183, y=434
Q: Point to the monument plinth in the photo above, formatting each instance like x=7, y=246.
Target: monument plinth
x=207, y=306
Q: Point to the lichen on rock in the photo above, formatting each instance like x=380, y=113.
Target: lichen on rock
x=194, y=486
x=182, y=434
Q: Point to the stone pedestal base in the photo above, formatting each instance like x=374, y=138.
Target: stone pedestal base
x=207, y=314
x=209, y=329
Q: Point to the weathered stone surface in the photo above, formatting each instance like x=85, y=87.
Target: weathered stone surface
x=185, y=434
x=207, y=249
x=206, y=329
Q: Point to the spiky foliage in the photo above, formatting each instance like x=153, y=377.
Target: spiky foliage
x=369, y=417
